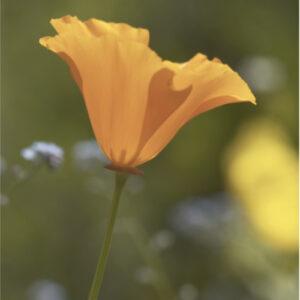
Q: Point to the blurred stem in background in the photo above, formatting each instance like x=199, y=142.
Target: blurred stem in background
x=160, y=280
x=121, y=179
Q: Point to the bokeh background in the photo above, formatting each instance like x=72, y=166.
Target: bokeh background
x=216, y=215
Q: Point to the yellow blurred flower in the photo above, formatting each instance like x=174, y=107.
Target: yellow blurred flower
x=136, y=101
x=262, y=172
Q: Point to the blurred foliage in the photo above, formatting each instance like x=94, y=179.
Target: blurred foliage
x=52, y=226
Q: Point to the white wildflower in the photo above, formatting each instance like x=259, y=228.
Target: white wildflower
x=44, y=152
x=46, y=290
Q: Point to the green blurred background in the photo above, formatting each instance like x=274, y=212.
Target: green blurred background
x=201, y=222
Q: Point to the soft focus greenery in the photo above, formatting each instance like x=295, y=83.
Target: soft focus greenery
x=53, y=224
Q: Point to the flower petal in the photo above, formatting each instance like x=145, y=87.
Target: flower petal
x=163, y=100
x=123, y=31
x=214, y=84
x=98, y=28
x=115, y=79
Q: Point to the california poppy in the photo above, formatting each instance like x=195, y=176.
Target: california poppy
x=136, y=101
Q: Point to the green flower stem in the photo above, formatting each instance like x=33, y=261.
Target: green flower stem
x=98, y=277
x=161, y=281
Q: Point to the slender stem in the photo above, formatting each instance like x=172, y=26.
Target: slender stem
x=98, y=277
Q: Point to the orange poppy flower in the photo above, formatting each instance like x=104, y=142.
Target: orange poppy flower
x=136, y=101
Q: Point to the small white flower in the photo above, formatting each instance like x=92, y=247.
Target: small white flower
x=44, y=152
x=46, y=290
x=87, y=154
